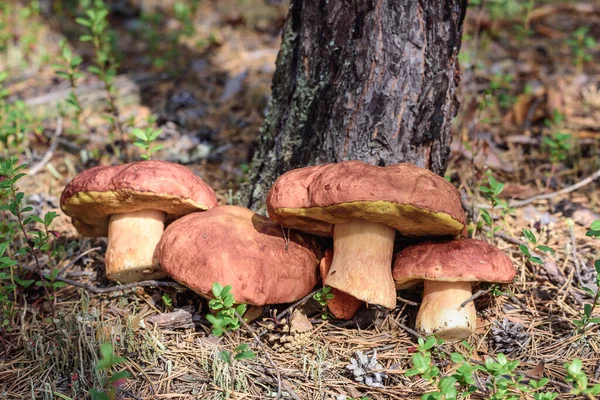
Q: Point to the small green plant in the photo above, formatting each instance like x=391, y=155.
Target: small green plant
x=502, y=380
x=145, y=139
x=594, y=230
x=113, y=380
x=533, y=241
x=491, y=192
x=586, y=317
x=68, y=68
x=105, y=68
x=523, y=29
x=241, y=352
x=36, y=240
x=579, y=379
x=500, y=89
x=15, y=122
x=581, y=46
x=167, y=301
x=422, y=362
x=558, y=143
x=322, y=297
x=225, y=319
x=228, y=318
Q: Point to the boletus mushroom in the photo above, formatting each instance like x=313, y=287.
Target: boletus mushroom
x=342, y=306
x=363, y=206
x=448, y=270
x=234, y=246
x=131, y=204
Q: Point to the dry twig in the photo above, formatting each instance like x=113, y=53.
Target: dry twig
x=110, y=289
x=48, y=156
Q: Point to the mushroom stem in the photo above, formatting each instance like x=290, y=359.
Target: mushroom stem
x=440, y=311
x=362, y=262
x=132, y=238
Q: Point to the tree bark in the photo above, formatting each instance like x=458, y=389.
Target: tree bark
x=369, y=80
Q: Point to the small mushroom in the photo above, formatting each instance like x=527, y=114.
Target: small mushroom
x=130, y=204
x=363, y=206
x=234, y=246
x=342, y=306
x=448, y=270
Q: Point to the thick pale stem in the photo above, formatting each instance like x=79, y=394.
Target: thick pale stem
x=362, y=262
x=132, y=238
x=441, y=314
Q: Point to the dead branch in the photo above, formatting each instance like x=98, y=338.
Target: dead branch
x=110, y=289
x=48, y=156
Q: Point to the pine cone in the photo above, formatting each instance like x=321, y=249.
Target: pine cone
x=509, y=336
x=367, y=369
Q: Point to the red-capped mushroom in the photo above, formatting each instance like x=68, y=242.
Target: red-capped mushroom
x=448, y=271
x=131, y=204
x=232, y=245
x=363, y=206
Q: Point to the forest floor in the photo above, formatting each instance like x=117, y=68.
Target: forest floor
x=529, y=117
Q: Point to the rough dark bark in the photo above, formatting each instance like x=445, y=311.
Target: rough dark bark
x=369, y=80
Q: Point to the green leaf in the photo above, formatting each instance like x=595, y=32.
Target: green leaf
x=430, y=342
x=244, y=355
x=141, y=145
x=32, y=218
x=588, y=291
x=83, y=22
x=119, y=375
x=536, y=260
x=24, y=282
x=96, y=395
x=242, y=347
x=595, y=226
x=49, y=217
x=530, y=236
x=225, y=356
x=524, y=249
x=217, y=288
x=106, y=350
x=225, y=292
x=487, y=218
x=574, y=368
x=140, y=134
x=446, y=386
x=457, y=358
x=95, y=70
x=241, y=309
x=545, y=249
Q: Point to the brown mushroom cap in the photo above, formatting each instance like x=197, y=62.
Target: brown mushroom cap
x=234, y=246
x=93, y=195
x=461, y=260
x=413, y=200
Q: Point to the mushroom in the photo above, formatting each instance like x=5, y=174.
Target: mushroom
x=448, y=270
x=234, y=246
x=342, y=306
x=131, y=204
x=363, y=206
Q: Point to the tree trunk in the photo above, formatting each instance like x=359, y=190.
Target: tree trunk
x=369, y=80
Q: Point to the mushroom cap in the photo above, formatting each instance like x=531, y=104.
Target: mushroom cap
x=413, y=200
x=93, y=195
x=234, y=246
x=460, y=260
